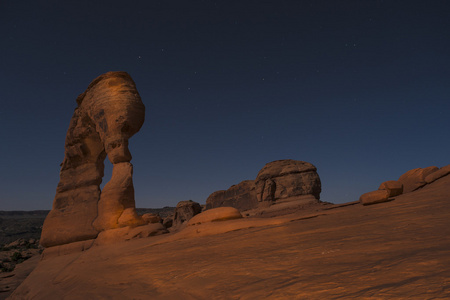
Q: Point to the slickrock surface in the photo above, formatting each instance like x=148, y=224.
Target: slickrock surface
x=215, y=215
x=109, y=112
x=393, y=250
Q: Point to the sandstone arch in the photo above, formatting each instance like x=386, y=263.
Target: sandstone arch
x=109, y=112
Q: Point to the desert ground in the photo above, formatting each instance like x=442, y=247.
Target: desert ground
x=393, y=250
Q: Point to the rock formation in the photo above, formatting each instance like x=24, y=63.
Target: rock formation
x=284, y=179
x=278, y=181
x=408, y=182
x=215, y=214
x=415, y=178
x=374, y=197
x=444, y=171
x=184, y=211
x=241, y=196
x=151, y=218
x=394, y=188
x=109, y=112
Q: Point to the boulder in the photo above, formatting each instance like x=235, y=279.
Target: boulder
x=108, y=113
x=184, y=211
x=283, y=179
x=151, y=218
x=394, y=187
x=168, y=221
x=415, y=178
x=374, y=197
x=241, y=196
x=444, y=171
x=215, y=214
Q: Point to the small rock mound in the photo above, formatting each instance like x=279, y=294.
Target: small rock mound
x=393, y=187
x=215, y=214
x=415, y=178
x=374, y=197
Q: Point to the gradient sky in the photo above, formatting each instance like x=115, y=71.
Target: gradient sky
x=358, y=88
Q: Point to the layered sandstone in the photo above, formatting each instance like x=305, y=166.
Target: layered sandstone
x=241, y=196
x=184, y=211
x=415, y=178
x=284, y=179
x=278, y=182
x=109, y=112
x=393, y=187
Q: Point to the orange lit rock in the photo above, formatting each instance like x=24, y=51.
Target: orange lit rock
x=116, y=207
x=444, y=171
x=374, y=197
x=109, y=112
x=415, y=178
x=395, y=188
x=216, y=214
x=150, y=218
x=113, y=236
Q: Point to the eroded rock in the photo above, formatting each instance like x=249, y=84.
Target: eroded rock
x=216, y=214
x=394, y=187
x=109, y=112
x=151, y=218
x=444, y=171
x=374, y=197
x=184, y=211
x=278, y=181
x=241, y=196
x=415, y=178
x=287, y=178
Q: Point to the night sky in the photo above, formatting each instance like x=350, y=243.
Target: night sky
x=358, y=88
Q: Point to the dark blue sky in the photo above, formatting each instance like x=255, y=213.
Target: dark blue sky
x=358, y=88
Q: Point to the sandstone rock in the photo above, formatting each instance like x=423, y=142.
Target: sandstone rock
x=151, y=218
x=184, y=211
x=374, y=197
x=241, y=196
x=215, y=214
x=395, y=188
x=113, y=236
x=109, y=112
x=444, y=171
x=66, y=249
x=415, y=178
x=168, y=222
x=287, y=178
x=116, y=207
